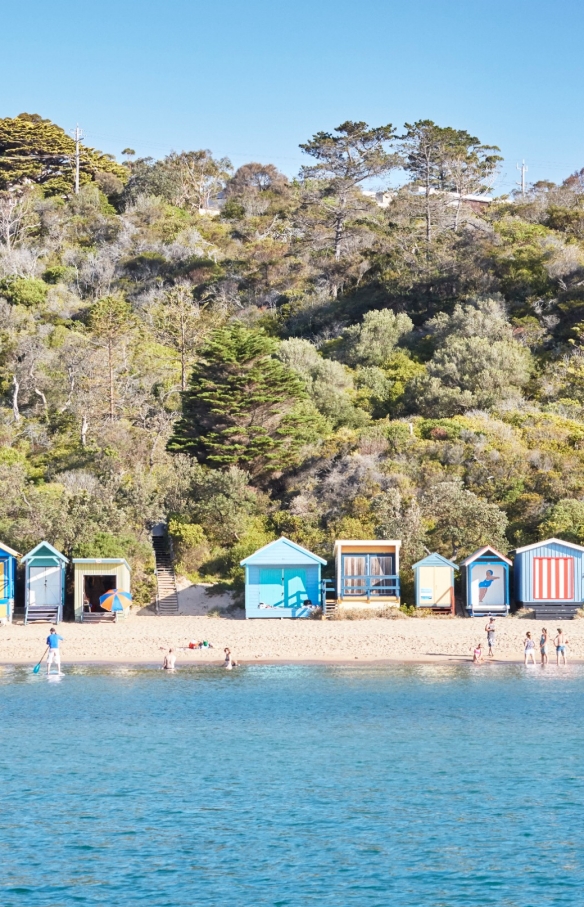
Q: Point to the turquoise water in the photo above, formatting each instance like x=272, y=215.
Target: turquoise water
x=293, y=786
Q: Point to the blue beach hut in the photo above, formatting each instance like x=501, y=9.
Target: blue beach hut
x=434, y=582
x=282, y=579
x=548, y=578
x=485, y=581
x=8, y=558
x=44, y=589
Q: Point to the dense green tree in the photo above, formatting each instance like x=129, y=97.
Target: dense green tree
x=34, y=150
x=243, y=407
x=459, y=522
x=373, y=341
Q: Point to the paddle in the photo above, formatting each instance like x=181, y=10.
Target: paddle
x=37, y=668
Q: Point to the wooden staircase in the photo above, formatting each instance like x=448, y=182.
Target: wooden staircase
x=549, y=611
x=166, y=591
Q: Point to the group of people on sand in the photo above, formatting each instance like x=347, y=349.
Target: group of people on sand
x=560, y=643
x=169, y=661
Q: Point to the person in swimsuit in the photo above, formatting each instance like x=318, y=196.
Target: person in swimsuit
x=229, y=662
x=490, y=631
x=477, y=655
x=486, y=584
x=529, y=649
x=543, y=643
x=560, y=643
x=169, y=661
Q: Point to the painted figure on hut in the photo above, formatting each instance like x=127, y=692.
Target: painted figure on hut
x=486, y=583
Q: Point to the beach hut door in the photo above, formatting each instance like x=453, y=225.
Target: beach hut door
x=435, y=586
x=272, y=587
x=45, y=586
x=295, y=588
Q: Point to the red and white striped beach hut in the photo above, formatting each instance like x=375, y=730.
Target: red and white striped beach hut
x=549, y=577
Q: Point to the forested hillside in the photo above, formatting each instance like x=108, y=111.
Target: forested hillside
x=299, y=360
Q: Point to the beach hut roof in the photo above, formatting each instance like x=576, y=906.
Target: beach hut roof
x=257, y=556
x=45, y=546
x=435, y=560
x=100, y=560
x=553, y=541
x=9, y=550
x=371, y=543
x=476, y=554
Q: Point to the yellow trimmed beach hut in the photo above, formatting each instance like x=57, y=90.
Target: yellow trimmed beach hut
x=367, y=573
x=94, y=576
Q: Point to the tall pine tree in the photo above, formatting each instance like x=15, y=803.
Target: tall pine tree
x=243, y=407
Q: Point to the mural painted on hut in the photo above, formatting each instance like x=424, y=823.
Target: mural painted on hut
x=488, y=584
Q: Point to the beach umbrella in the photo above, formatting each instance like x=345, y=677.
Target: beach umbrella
x=115, y=600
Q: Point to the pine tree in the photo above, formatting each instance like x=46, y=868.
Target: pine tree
x=243, y=407
x=34, y=150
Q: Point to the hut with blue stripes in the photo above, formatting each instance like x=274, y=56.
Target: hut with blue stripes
x=8, y=558
x=282, y=579
x=485, y=582
x=434, y=582
x=548, y=578
x=44, y=588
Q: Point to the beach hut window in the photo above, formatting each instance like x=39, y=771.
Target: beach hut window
x=355, y=573
x=369, y=574
x=553, y=578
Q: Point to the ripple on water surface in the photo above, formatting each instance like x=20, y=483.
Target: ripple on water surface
x=290, y=785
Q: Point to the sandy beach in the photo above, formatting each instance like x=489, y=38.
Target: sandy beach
x=140, y=639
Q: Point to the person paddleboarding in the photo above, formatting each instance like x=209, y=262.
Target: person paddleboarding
x=54, y=653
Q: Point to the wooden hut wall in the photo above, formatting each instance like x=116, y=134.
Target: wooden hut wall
x=551, y=571
x=103, y=567
x=279, y=578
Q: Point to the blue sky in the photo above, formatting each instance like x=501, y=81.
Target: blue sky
x=252, y=80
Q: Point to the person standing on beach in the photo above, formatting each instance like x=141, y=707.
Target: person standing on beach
x=477, y=655
x=543, y=643
x=529, y=649
x=490, y=631
x=560, y=643
x=54, y=654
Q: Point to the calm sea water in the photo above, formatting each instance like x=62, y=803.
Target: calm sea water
x=293, y=786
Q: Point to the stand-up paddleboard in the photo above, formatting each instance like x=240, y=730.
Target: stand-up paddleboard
x=55, y=678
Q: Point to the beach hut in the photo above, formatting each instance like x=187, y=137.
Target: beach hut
x=434, y=582
x=282, y=579
x=367, y=573
x=94, y=576
x=485, y=581
x=44, y=586
x=548, y=578
x=8, y=558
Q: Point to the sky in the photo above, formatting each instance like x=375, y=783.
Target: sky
x=252, y=80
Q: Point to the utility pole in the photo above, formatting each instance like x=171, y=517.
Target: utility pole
x=77, y=135
x=523, y=168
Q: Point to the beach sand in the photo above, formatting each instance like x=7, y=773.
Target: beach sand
x=140, y=639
